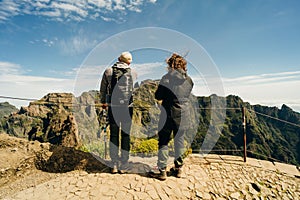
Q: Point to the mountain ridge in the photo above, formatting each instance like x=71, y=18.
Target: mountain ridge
x=62, y=118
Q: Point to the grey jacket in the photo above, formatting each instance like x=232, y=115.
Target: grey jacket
x=106, y=80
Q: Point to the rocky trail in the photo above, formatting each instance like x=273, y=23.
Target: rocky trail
x=33, y=170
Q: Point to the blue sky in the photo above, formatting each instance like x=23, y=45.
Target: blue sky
x=254, y=44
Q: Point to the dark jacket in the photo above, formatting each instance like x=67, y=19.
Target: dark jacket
x=174, y=90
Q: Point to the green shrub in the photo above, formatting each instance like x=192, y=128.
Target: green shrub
x=146, y=146
x=96, y=147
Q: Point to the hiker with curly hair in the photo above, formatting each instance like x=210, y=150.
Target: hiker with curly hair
x=174, y=91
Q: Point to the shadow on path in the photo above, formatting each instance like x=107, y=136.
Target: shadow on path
x=61, y=159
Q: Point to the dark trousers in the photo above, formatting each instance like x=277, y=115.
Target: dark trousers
x=164, y=137
x=120, y=125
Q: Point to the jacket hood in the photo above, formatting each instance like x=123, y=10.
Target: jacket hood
x=121, y=65
x=178, y=76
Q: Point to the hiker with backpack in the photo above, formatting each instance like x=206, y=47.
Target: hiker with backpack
x=174, y=92
x=116, y=94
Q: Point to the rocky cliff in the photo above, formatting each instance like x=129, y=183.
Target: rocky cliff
x=6, y=109
x=49, y=119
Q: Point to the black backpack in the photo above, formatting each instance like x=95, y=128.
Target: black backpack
x=121, y=86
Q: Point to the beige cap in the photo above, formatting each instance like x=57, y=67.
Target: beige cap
x=126, y=57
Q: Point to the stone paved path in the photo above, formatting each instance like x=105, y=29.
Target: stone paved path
x=211, y=177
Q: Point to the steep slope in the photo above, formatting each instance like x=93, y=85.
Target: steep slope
x=268, y=136
x=6, y=109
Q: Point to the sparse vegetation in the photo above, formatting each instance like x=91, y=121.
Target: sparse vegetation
x=146, y=147
x=96, y=147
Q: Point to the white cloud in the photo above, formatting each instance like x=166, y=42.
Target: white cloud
x=101, y=4
x=47, y=42
x=274, y=89
x=31, y=87
x=264, y=78
x=110, y=19
x=8, y=9
x=70, y=10
x=148, y=69
x=267, y=89
x=9, y=68
x=77, y=44
x=15, y=83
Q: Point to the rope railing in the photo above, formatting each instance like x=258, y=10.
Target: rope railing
x=70, y=104
x=17, y=98
x=275, y=118
x=77, y=104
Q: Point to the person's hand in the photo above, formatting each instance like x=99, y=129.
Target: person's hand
x=158, y=103
x=104, y=106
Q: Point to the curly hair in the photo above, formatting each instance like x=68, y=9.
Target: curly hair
x=177, y=62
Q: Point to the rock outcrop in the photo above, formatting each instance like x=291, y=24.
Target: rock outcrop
x=6, y=109
x=49, y=119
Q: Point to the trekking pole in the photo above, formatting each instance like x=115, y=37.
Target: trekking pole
x=104, y=124
x=105, y=146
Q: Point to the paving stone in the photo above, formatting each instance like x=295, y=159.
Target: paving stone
x=172, y=184
x=268, y=165
x=167, y=190
x=153, y=194
x=186, y=193
x=215, y=177
x=235, y=195
x=163, y=196
x=149, y=188
x=288, y=169
x=177, y=191
x=254, y=162
x=94, y=192
x=144, y=195
x=206, y=195
x=120, y=195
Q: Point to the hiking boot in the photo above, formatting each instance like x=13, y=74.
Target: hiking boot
x=114, y=169
x=161, y=175
x=177, y=172
x=124, y=168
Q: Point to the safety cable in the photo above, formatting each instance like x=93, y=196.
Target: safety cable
x=17, y=98
x=275, y=118
x=70, y=104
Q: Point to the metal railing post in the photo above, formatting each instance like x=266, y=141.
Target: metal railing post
x=244, y=132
